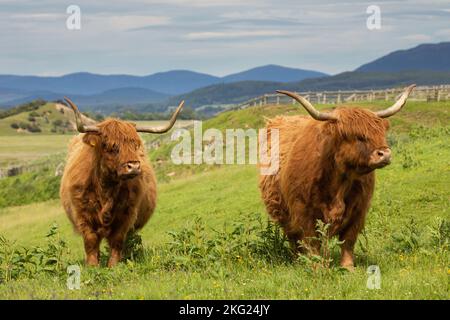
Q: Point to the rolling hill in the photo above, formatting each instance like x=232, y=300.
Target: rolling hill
x=241, y=91
x=84, y=83
x=273, y=73
x=225, y=93
x=50, y=118
x=430, y=57
x=100, y=90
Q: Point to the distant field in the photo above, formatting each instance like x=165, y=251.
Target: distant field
x=30, y=147
x=23, y=147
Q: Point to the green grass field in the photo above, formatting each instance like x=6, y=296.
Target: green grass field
x=209, y=237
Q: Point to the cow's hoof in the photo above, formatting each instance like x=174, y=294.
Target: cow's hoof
x=349, y=267
x=113, y=260
x=92, y=262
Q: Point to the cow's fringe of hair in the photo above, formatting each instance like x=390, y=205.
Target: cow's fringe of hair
x=358, y=123
x=119, y=132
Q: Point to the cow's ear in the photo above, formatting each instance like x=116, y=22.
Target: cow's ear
x=91, y=139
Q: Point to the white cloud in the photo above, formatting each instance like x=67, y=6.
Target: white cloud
x=445, y=33
x=232, y=34
x=133, y=21
x=417, y=37
x=38, y=16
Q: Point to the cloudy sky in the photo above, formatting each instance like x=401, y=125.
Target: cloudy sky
x=212, y=36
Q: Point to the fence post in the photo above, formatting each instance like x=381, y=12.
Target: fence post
x=339, y=97
x=278, y=100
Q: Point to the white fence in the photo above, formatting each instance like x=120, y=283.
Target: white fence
x=420, y=93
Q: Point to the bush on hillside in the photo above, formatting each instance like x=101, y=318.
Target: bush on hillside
x=30, y=106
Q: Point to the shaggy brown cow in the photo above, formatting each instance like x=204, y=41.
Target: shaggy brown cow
x=326, y=172
x=108, y=187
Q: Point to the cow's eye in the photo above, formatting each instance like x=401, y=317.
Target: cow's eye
x=113, y=150
x=362, y=139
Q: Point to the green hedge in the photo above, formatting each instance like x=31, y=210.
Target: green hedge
x=28, y=188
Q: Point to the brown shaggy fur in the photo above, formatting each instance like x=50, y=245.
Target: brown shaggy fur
x=98, y=203
x=324, y=174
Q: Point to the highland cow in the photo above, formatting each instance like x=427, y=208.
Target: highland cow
x=108, y=188
x=326, y=172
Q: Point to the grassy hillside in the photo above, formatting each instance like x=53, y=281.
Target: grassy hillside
x=46, y=119
x=209, y=236
x=415, y=114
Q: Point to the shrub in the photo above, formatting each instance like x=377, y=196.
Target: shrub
x=328, y=245
x=440, y=233
x=17, y=261
x=23, y=125
x=244, y=242
x=407, y=239
x=34, y=187
x=33, y=105
x=57, y=123
x=33, y=128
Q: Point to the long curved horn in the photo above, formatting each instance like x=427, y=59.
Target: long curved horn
x=165, y=128
x=396, y=107
x=321, y=116
x=80, y=126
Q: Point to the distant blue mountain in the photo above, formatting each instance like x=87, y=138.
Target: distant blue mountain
x=172, y=82
x=430, y=57
x=110, y=98
x=98, y=90
x=273, y=73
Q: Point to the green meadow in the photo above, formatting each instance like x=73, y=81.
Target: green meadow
x=210, y=237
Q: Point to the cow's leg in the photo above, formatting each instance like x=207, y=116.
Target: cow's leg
x=91, y=247
x=294, y=239
x=302, y=229
x=310, y=238
x=357, y=212
x=347, y=251
x=116, y=241
x=349, y=236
